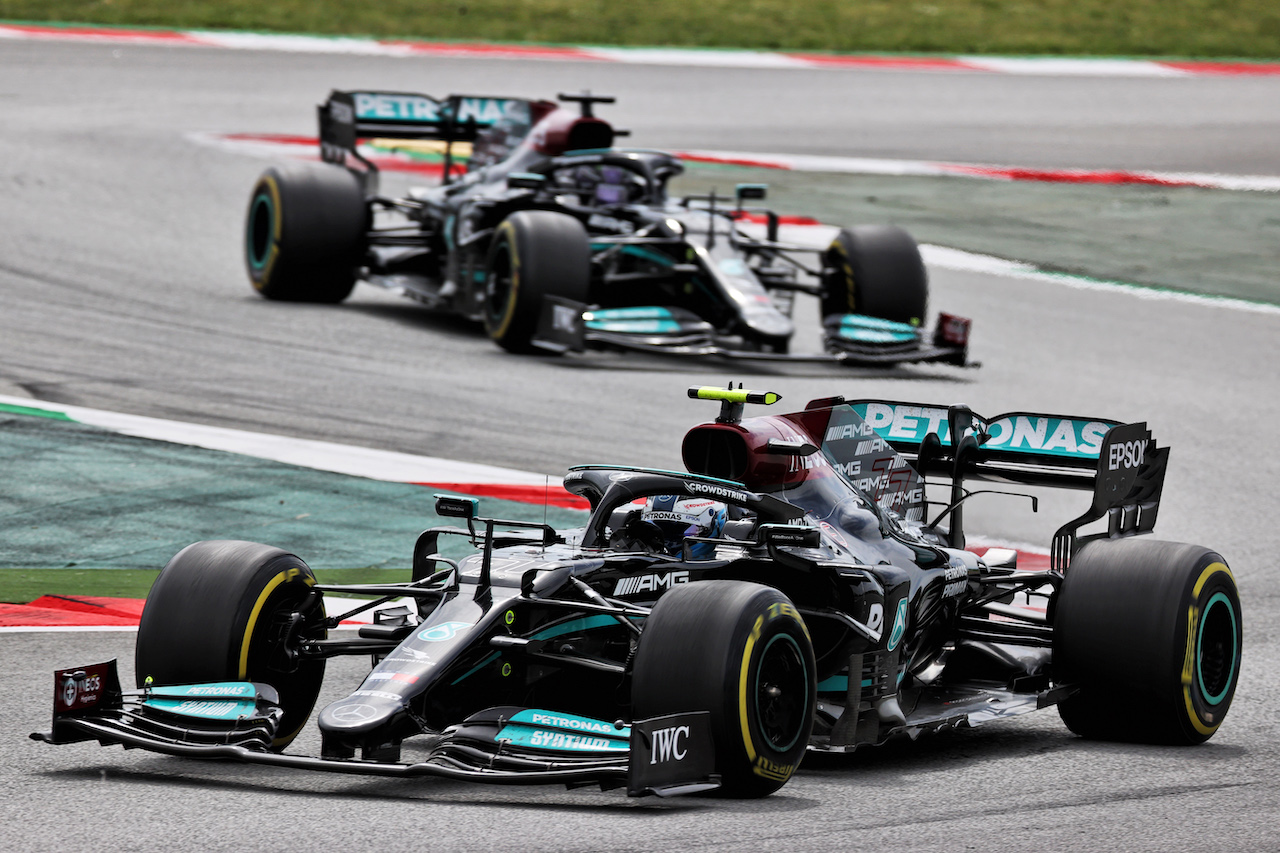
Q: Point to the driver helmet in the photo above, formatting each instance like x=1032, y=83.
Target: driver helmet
x=678, y=516
x=618, y=186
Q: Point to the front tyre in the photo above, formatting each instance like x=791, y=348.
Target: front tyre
x=876, y=271
x=741, y=651
x=535, y=253
x=225, y=611
x=305, y=232
x=1151, y=633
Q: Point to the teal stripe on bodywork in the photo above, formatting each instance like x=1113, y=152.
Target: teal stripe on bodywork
x=224, y=690
x=649, y=255
x=573, y=722
x=635, y=312
x=838, y=684
x=205, y=707
x=539, y=738
x=858, y=327
x=490, y=659
x=585, y=623
x=868, y=322
x=635, y=327
x=639, y=319
x=641, y=252
x=637, y=252
x=565, y=732
x=1016, y=432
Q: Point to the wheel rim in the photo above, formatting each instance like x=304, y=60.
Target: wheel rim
x=782, y=693
x=266, y=657
x=498, y=285
x=261, y=225
x=1216, y=649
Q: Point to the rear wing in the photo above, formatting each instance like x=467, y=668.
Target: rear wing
x=1121, y=464
x=346, y=117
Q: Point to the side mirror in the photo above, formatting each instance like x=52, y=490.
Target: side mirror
x=789, y=447
x=751, y=192
x=525, y=181
x=793, y=535
x=451, y=506
x=1000, y=558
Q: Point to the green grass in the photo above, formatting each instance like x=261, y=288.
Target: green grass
x=19, y=586
x=1188, y=28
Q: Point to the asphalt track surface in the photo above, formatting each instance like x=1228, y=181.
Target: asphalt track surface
x=122, y=290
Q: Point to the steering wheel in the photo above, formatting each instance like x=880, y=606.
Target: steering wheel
x=638, y=535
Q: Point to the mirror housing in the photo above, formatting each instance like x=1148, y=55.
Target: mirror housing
x=525, y=181
x=792, y=535
x=789, y=447
x=451, y=506
x=1000, y=558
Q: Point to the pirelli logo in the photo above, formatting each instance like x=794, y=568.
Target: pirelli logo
x=772, y=770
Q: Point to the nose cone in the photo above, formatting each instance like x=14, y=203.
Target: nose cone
x=357, y=715
x=771, y=323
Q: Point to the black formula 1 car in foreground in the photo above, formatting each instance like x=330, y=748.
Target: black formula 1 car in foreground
x=705, y=628
x=559, y=241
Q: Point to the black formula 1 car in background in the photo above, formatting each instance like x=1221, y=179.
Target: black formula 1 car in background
x=559, y=241
x=802, y=601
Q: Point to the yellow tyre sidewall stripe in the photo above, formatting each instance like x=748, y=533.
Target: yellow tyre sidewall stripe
x=272, y=585
x=847, y=266
x=743, y=678
x=760, y=765
x=509, y=310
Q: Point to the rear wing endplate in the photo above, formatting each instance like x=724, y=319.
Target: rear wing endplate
x=1127, y=487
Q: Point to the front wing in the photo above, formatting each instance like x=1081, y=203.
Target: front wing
x=568, y=326
x=237, y=720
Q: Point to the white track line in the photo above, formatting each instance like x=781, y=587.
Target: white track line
x=1073, y=67
x=955, y=259
x=931, y=169
x=692, y=57
x=266, y=146
x=385, y=465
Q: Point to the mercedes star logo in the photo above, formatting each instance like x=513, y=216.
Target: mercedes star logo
x=354, y=713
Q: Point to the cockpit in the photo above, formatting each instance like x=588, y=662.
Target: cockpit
x=600, y=185
x=611, y=177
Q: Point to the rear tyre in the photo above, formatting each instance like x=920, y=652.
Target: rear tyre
x=741, y=651
x=220, y=611
x=875, y=270
x=305, y=233
x=535, y=253
x=1151, y=632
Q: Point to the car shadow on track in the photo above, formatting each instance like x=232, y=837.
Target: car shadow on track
x=637, y=362
x=419, y=317
x=200, y=778
x=414, y=316
x=1028, y=741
